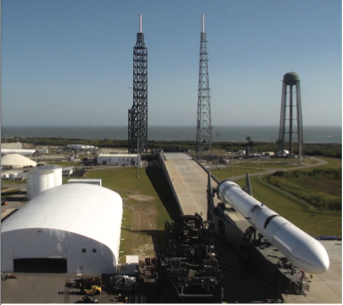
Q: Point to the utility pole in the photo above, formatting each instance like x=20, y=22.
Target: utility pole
x=217, y=150
x=231, y=159
x=137, y=173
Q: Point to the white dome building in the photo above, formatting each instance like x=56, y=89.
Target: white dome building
x=72, y=228
x=16, y=161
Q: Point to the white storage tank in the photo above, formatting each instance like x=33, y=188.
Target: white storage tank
x=57, y=172
x=39, y=181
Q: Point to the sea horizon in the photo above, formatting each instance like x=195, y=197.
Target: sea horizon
x=221, y=133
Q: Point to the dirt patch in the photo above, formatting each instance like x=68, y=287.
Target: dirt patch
x=139, y=197
x=143, y=217
x=141, y=232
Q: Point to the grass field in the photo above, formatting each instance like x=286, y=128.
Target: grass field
x=267, y=164
x=331, y=163
x=148, y=203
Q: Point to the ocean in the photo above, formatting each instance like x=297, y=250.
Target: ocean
x=312, y=134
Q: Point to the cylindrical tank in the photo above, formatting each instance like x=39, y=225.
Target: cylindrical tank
x=39, y=181
x=57, y=172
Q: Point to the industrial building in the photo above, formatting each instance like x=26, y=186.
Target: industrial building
x=27, y=152
x=120, y=159
x=80, y=146
x=67, y=171
x=97, y=182
x=72, y=228
x=16, y=161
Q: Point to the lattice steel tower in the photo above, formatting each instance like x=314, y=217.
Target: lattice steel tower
x=291, y=116
x=138, y=114
x=204, y=125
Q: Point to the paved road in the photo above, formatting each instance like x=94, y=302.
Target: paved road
x=268, y=171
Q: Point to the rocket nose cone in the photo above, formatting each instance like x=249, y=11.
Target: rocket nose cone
x=320, y=260
x=323, y=263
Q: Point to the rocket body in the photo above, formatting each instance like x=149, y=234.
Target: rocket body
x=301, y=249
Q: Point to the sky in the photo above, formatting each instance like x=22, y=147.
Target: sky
x=70, y=62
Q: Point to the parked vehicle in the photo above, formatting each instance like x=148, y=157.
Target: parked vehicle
x=123, y=282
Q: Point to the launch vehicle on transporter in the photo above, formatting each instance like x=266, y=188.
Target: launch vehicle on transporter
x=302, y=253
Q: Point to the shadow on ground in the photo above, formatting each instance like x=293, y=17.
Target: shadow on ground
x=163, y=190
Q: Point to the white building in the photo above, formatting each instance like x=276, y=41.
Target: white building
x=67, y=171
x=80, y=147
x=120, y=159
x=43, y=150
x=97, y=182
x=23, y=152
x=75, y=226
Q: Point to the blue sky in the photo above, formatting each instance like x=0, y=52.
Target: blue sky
x=69, y=62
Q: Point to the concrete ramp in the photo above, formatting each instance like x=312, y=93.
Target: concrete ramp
x=188, y=181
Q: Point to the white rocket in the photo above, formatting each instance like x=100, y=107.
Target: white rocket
x=301, y=249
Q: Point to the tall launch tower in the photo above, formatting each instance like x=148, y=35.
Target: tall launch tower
x=138, y=114
x=291, y=124
x=204, y=125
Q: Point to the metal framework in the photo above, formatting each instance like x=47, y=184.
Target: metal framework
x=291, y=124
x=138, y=114
x=204, y=125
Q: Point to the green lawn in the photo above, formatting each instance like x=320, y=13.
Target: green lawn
x=332, y=163
x=267, y=164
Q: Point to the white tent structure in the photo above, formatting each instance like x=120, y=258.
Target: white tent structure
x=72, y=228
x=16, y=160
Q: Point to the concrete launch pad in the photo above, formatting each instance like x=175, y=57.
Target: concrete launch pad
x=189, y=183
x=326, y=287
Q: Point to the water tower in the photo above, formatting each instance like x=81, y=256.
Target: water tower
x=291, y=125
